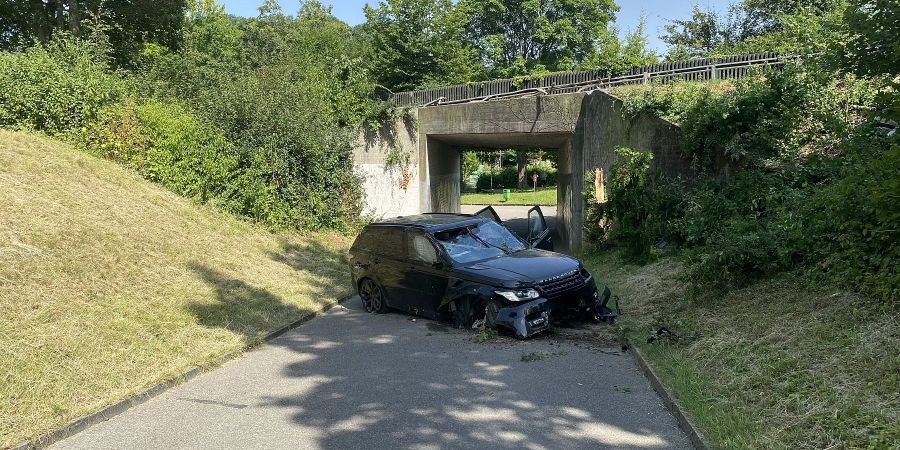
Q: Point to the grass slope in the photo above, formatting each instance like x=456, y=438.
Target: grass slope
x=783, y=364
x=543, y=196
x=110, y=284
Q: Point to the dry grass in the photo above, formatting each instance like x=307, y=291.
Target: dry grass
x=109, y=284
x=782, y=364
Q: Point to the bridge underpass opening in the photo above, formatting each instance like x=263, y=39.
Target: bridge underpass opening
x=446, y=184
x=583, y=128
x=528, y=173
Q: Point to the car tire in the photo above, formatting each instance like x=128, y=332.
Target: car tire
x=463, y=313
x=372, y=295
x=490, y=314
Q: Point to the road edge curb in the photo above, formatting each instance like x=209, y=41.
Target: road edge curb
x=84, y=422
x=687, y=425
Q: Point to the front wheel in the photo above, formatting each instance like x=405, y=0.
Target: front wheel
x=372, y=296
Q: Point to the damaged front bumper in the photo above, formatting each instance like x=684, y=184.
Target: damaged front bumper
x=525, y=319
x=533, y=317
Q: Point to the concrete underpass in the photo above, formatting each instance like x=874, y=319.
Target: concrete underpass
x=583, y=128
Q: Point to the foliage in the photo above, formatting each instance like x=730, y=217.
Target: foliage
x=508, y=177
x=418, y=43
x=794, y=178
x=287, y=93
x=129, y=25
x=167, y=144
x=704, y=32
x=516, y=37
x=640, y=206
x=784, y=26
x=872, y=47
x=469, y=164
x=615, y=56
x=55, y=88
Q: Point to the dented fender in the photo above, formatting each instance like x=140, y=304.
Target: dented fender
x=458, y=289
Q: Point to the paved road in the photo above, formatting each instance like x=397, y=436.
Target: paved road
x=353, y=380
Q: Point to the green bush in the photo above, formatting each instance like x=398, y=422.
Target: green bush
x=167, y=144
x=640, y=208
x=508, y=178
x=809, y=185
x=55, y=88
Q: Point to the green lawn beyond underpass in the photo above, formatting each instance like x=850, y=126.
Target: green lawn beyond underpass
x=545, y=196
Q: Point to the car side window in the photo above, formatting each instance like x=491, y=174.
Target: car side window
x=420, y=248
x=385, y=240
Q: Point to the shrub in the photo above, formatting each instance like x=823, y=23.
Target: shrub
x=508, y=177
x=55, y=88
x=167, y=144
x=640, y=208
x=817, y=187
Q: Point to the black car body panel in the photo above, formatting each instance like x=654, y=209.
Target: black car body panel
x=420, y=263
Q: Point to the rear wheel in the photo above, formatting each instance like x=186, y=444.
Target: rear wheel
x=372, y=296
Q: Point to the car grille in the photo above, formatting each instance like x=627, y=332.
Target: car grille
x=554, y=287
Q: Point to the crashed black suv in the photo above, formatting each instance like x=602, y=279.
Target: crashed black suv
x=469, y=269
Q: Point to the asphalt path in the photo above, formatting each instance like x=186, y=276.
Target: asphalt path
x=354, y=380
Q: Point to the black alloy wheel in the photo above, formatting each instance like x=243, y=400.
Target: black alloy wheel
x=372, y=296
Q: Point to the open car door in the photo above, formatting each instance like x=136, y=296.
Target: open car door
x=538, y=233
x=488, y=213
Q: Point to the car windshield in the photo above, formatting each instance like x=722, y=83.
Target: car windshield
x=483, y=241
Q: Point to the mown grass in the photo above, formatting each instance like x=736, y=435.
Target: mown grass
x=545, y=196
x=785, y=363
x=110, y=284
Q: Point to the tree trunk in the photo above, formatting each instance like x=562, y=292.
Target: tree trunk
x=60, y=13
x=40, y=21
x=74, y=18
x=522, y=161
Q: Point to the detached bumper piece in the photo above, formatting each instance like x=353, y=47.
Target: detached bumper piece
x=526, y=319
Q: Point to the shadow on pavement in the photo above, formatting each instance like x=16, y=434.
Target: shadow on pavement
x=387, y=382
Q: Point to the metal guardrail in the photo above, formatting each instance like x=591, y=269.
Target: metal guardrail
x=694, y=70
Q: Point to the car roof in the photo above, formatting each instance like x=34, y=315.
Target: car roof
x=434, y=221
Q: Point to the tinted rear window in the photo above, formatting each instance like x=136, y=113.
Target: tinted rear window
x=382, y=240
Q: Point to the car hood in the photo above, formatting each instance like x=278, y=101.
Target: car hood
x=524, y=267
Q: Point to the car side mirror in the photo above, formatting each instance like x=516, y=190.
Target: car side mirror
x=437, y=265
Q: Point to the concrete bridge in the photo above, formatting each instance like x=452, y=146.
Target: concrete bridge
x=413, y=165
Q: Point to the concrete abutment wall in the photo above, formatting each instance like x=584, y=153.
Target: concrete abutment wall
x=584, y=128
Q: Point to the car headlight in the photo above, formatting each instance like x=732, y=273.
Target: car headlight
x=519, y=294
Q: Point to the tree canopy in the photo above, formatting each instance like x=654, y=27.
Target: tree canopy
x=128, y=24
x=520, y=37
x=417, y=43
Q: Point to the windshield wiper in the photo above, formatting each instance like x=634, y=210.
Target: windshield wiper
x=480, y=239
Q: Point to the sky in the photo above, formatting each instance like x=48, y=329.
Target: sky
x=658, y=12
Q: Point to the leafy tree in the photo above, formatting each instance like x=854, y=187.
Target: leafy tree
x=873, y=45
x=786, y=26
x=417, y=43
x=706, y=31
x=616, y=56
x=520, y=37
x=128, y=24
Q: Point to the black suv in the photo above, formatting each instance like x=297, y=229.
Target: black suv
x=471, y=270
